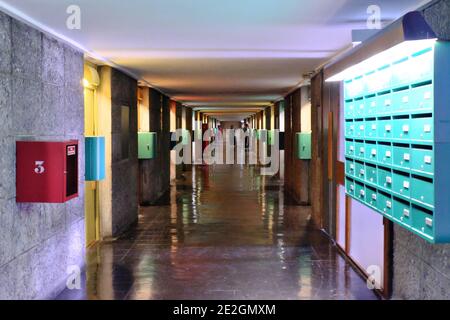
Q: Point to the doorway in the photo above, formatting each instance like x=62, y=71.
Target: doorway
x=92, y=209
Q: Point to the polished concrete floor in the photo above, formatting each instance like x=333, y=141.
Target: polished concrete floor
x=225, y=233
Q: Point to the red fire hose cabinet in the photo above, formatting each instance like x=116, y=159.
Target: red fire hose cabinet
x=46, y=172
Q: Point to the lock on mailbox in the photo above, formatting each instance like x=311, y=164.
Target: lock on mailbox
x=46, y=172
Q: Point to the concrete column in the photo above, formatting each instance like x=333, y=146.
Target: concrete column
x=288, y=177
x=188, y=127
x=124, y=166
x=165, y=143
x=151, y=189
x=41, y=98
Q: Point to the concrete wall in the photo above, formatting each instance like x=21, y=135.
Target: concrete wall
x=316, y=150
x=422, y=270
x=297, y=178
x=124, y=169
x=148, y=177
x=178, y=125
x=164, y=143
x=187, y=114
x=41, y=98
x=288, y=178
x=437, y=14
x=152, y=184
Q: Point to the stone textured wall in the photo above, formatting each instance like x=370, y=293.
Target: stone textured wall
x=298, y=187
x=188, y=112
x=288, y=176
x=178, y=125
x=437, y=15
x=152, y=187
x=316, y=150
x=164, y=144
x=422, y=270
x=124, y=171
x=41, y=98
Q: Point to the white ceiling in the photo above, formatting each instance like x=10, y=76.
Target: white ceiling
x=210, y=52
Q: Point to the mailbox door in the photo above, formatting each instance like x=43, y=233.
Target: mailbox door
x=70, y=170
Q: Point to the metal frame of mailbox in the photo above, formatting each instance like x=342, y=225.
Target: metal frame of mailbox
x=412, y=153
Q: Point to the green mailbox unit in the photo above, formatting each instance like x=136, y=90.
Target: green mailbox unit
x=271, y=137
x=303, y=145
x=186, y=137
x=258, y=133
x=146, y=145
x=397, y=136
x=265, y=135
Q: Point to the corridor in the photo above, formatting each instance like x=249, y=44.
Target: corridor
x=227, y=233
x=224, y=150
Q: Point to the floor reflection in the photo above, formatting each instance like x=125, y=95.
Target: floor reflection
x=226, y=233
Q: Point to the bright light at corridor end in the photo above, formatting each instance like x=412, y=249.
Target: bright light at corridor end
x=404, y=50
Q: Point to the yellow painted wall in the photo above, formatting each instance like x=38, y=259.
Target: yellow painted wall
x=104, y=129
x=305, y=110
x=263, y=125
x=90, y=83
x=91, y=213
x=272, y=117
x=143, y=110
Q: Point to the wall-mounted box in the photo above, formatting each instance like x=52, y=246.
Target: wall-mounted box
x=46, y=172
x=261, y=134
x=405, y=149
x=303, y=145
x=265, y=135
x=187, y=137
x=146, y=145
x=95, y=158
x=271, y=137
